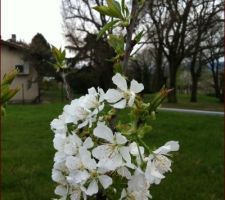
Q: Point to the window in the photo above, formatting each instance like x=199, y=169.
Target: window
x=20, y=68
x=23, y=68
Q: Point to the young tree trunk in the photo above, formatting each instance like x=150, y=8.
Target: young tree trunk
x=194, y=89
x=215, y=74
x=172, y=96
x=159, y=71
x=66, y=86
x=216, y=86
x=130, y=30
x=196, y=68
x=39, y=80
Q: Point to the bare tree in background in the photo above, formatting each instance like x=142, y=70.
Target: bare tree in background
x=177, y=30
x=156, y=26
x=212, y=55
x=204, y=17
x=81, y=24
x=169, y=22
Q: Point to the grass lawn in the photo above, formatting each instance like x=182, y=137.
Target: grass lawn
x=54, y=94
x=197, y=169
x=209, y=103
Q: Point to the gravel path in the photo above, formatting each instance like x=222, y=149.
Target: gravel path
x=194, y=111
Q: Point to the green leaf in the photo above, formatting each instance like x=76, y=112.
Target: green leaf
x=115, y=6
x=9, y=77
x=117, y=68
x=107, y=11
x=138, y=37
x=2, y=110
x=117, y=43
x=127, y=11
x=123, y=6
x=7, y=94
x=106, y=28
x=60, y=57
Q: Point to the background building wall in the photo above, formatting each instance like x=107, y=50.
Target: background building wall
x=10, y=57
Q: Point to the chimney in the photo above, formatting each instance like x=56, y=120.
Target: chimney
x=13, y=38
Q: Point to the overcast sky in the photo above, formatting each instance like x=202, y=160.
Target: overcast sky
x=26, y=18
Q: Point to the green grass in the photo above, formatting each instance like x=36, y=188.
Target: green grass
x=197, y=168
x=209, y=103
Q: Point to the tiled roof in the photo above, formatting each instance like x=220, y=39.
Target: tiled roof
x=14, y=45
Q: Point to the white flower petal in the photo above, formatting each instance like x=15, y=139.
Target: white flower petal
x=87, y=161
x=151, y=173
x=120, y=139
x=73, y=163
x=105, y=180
x=134, y=149
x=101, y=152
x=75, y=139
x=131, y=100
x=88, y=143
x=92, y=91
x=124, y=172
x=79, y=176
x=136, y=87
x=59, y=142
x=61, y=190
x=120, y=105
x=174, y=145
x=58, y=177
x=92, y=188
x=169, y=146
x=75, y=196
x=70, y=149
x=59, y=156
x=123, y=194
x=111, y=163
x=120, y=81
x=83, y=124
x=125, y=152
x=100, y=108
x=104, y=132
x=112, y=95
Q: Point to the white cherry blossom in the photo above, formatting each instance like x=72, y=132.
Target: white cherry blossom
x=113, y=154
x=138, y=188
x=122, y=96
x=95, y=177
x=82, y=165
x=137, y=151
x=83, y=111
x=158, y=163
x=59, y=125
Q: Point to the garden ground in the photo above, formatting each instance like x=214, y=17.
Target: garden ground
x=205, y=102
x=197, y=168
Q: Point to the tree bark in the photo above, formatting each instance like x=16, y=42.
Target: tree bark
x=172, y=96
x=66, y=86
x=194, y=89
x=130, y=30
x=159, y=71
x=39, y=89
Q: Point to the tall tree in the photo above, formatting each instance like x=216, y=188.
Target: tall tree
x=81, y=23
x=40, y=55
x=205, y=16
x=212, y=57
x=177, y=30
x=169, y=22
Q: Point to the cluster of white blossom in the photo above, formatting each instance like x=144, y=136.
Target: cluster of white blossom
x=86, y=163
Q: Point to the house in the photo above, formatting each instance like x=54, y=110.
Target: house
x=13, y=56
